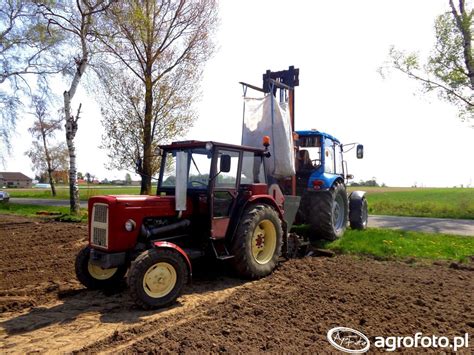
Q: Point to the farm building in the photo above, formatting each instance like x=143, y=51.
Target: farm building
x=14, y=179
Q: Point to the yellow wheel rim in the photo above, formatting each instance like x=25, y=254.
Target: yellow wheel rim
x=264, y=242
x=159, y=280
x=100, y=274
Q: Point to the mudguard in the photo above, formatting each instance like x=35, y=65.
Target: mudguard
x=355, y=205
x=169, y=245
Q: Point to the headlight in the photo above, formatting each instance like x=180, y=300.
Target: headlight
x=130, y=225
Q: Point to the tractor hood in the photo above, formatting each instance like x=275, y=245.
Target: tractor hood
x=113, y=211
x=162, y=206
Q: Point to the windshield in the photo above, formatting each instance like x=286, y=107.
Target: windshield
x=309, y=154
x=199, y=166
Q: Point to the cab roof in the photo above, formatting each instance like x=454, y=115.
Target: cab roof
x=202, y=144
x=313, y=132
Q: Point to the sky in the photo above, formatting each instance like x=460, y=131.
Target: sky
x=409, y=138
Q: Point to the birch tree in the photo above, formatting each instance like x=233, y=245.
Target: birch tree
x=449, y=70
x=164, y=44
x=43, y=130
x=27, y=50
x=76, y=18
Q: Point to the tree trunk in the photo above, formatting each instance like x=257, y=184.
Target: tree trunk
x=71, y=129
x=147, y=139
x=51, y=182
x=464, y=26
x=48, y=161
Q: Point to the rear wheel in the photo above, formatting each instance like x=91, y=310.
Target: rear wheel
x=257, y=244
x=329, y=213
x=157, y=277
x=93, y=276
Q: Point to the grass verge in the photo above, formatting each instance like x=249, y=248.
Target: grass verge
x=85, y=192
x=396, y=244
x=50, y=212
x=421, y=202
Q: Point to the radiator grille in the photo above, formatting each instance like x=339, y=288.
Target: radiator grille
x=99, y=226
x=100, y=213
x=99, y=237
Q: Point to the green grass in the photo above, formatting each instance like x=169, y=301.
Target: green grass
x=62, y=192
x=52, y=212
x=396, y=244
x=421, y=202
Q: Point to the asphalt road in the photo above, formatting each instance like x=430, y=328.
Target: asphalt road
x=43, y=202
x=429, y=225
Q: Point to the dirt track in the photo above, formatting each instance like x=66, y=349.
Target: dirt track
x=45, y=309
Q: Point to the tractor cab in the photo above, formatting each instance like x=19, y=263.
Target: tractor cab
x=211, y=183
x=320, y=161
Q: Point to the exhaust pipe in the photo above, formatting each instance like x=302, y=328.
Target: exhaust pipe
x=153, y=232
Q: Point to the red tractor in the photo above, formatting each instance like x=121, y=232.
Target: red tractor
x=212, y=199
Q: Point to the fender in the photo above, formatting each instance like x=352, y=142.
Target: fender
x=269, y=200
x=169, y=245
x=357, y=195
x=355, y=204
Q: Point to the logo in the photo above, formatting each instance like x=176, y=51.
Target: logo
x=348, y=340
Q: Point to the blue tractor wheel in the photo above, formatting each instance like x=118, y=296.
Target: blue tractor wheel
x=328, y=213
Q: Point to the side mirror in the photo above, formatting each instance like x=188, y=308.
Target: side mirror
x=225, y=163
x=360, y=151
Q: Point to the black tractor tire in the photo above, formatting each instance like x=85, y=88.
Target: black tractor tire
x=361, y=212
x=328, y=213
x=95, y=278
x=157, y=277
x=253, y=259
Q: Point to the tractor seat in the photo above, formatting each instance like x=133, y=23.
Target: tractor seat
x=303, y=160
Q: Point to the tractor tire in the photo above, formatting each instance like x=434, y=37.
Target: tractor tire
x=257, y=243
x=94, y=277
x=362, y=215
x=329, y=213
x=157, y=277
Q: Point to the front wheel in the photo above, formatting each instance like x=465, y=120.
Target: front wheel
x=93, y=276
x=157, y=278
x=257, y=243
x=359, y=215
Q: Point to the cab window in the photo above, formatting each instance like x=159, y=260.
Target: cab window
x=252, y=169
x=339, y=160
x=227, y=179
x=329, y=156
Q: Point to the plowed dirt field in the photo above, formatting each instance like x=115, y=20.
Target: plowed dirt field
x=44, y=309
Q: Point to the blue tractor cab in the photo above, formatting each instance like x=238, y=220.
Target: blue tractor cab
x=321, y=173
x=319, y=160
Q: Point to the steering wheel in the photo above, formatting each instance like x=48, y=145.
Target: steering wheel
x=191, y=182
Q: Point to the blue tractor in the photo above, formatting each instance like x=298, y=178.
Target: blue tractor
x=321, y=171
x=321, y=174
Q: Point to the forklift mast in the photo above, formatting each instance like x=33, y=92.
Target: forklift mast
x=283, y=79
